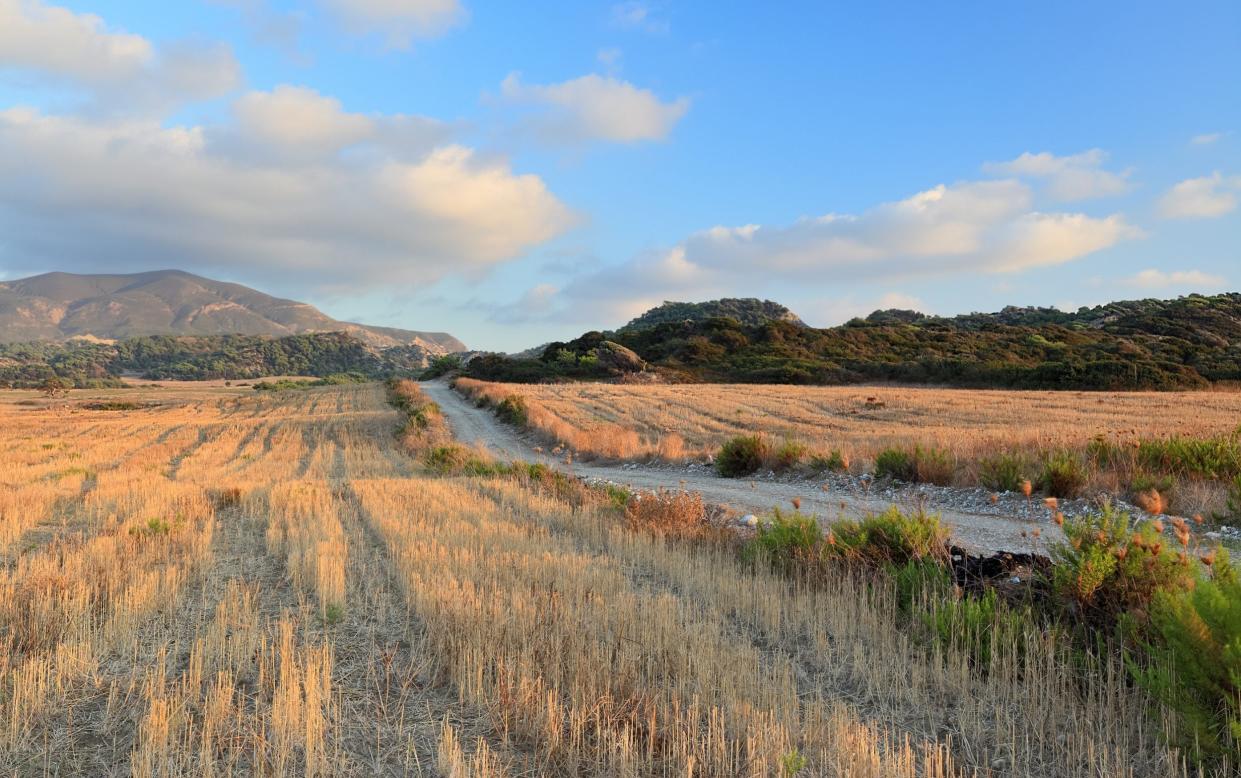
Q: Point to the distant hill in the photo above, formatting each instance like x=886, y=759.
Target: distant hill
x=60, y=306
x=1186, y=343
x=746, y=311
x=90, y=363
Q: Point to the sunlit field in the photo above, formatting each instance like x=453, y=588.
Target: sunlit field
x=625, y=420
x=223, y=582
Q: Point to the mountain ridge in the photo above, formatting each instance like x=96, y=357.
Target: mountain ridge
x=59, y=306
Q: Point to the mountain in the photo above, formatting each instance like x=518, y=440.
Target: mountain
x=1187, y=343
x=747, y=311
x=59, y=306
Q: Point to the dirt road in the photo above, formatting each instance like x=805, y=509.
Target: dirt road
x=981, y=532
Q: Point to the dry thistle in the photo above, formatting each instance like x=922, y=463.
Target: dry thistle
x=1151, y=501
x=1208, y=558
x=1058, y=518
x=1120, y=553
x=994, y=498
x=796, y=503
x=1157, y=525
x=1198, y=518
x=1027, y=488
x=1051, y=502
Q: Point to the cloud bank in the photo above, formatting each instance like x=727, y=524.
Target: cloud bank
x=966, y=228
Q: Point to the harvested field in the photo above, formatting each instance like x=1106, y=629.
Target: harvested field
x=627, y=421
x=230, y=584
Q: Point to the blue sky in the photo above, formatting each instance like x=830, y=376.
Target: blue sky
x=514, y=173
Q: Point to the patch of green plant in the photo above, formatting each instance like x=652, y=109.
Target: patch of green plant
x=618, y=496
x=1002, y=473
x=1196, y=663
x=1110, y=567
x=834, y=462
x=934, y=466
x=897, y=464
x=789, y=454
x=454, y=459
x=741, y=456
x=1064, y=475
x=333, y=614
x=1234, y=497
x=890, y=538
x=513, y=410
x=792, y=763
x=786, y=540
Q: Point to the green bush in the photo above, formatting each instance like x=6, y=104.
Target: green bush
x=513, y=410
x=1063, y=475
x=742, y=456
x=788, y=540
x=834, y=462
x=789, y=454
x=1110, y=568
x=1002, y=473
x=934, y=466
x=451, y=459
x=889, y=538
x=896, y=464
x=1196, y=669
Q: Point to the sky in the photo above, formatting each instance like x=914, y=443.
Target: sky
x=515, y=173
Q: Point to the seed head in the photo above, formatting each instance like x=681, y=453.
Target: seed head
x=1051, y=502
x=1027, y=488
x=994, y=498
x=1058, y=518
x=796, y=503
x=1208, y=558
x=1157, y=525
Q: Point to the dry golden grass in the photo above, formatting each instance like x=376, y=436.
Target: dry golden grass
x=230, y=584
x=628, y=420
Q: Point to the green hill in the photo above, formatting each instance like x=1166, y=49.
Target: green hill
x=747, y=311
x=1186, y=343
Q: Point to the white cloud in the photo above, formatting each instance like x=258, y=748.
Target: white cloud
x=1075, y=177
x=967, y=228
x=134, y=194
x=301, y=118
x=1206, y=138
x=1183, y=279
x=57, y=41
x=120, y=70
x=637, y=15
x=1201, y=198
x=399, y=21
x=595, y=107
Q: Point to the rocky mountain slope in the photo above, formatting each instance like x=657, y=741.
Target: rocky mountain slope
x=59, y=306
